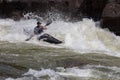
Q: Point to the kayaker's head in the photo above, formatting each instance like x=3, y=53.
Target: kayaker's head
x=38, y=23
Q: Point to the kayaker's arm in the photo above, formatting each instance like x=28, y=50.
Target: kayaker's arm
x=44, y=27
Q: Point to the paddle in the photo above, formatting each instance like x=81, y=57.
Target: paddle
x=47, y=24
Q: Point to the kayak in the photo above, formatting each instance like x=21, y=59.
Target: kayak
x=50, y=39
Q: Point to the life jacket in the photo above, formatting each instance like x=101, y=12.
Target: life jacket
x=38, y=30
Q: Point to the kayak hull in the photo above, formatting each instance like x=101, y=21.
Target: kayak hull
x=50, y=39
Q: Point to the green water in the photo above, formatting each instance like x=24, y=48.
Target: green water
x=18, y=58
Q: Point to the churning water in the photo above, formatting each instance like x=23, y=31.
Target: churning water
x=86, y=73
x=83, y=37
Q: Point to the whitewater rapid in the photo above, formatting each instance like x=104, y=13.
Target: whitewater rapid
x=92, y=72
x=83, y=36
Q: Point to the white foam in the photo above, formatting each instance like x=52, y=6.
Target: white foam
x=86, y=72
x=41, y=73
x=76, y=72
x=83, y=36
x=67, y=72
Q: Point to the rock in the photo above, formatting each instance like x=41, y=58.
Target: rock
x=14, y=8
x=74, y=6
x=97, y=8
x=75, y=3
x=9, y=9
x=117, y=1
x=93, y=8
x=111, y=10
x=1, y=1
x=98, y=4
x=111, y=17
x=16, y=15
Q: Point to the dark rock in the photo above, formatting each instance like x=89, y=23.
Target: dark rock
x=111, y=10
x=0, y=1
x=111, y=17
x=10, y=7
x=8, y=10
x=117, y=1
x=74, y=6
x=93, y=8
x=16, y=15
x=75, y=3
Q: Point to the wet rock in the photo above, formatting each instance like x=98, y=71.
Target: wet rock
x=111, y=10
x=93, y=8
x=12, y=9
x=98, y=6
x=9, y=7
x=74, y=6
x=117, y=1
x=75, y=3
x=0, y=1
x=16, y=15
x=111, y=17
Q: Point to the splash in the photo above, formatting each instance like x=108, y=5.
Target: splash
x=83, y=36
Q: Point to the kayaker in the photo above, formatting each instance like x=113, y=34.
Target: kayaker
x=37, y=30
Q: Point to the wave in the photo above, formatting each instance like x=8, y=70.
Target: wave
x=83, y=36
x=96, y=72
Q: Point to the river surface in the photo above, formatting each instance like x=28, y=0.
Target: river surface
x=87, y=52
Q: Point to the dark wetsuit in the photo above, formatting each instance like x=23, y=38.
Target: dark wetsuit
x=45, y=37
x=38, y=30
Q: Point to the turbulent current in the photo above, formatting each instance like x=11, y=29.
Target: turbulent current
x=88, y=52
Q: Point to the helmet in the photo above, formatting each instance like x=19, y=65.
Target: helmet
x=38, y=22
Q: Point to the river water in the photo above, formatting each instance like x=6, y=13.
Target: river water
x=88, y=52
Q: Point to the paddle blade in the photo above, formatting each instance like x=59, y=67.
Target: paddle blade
x=48, y=22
